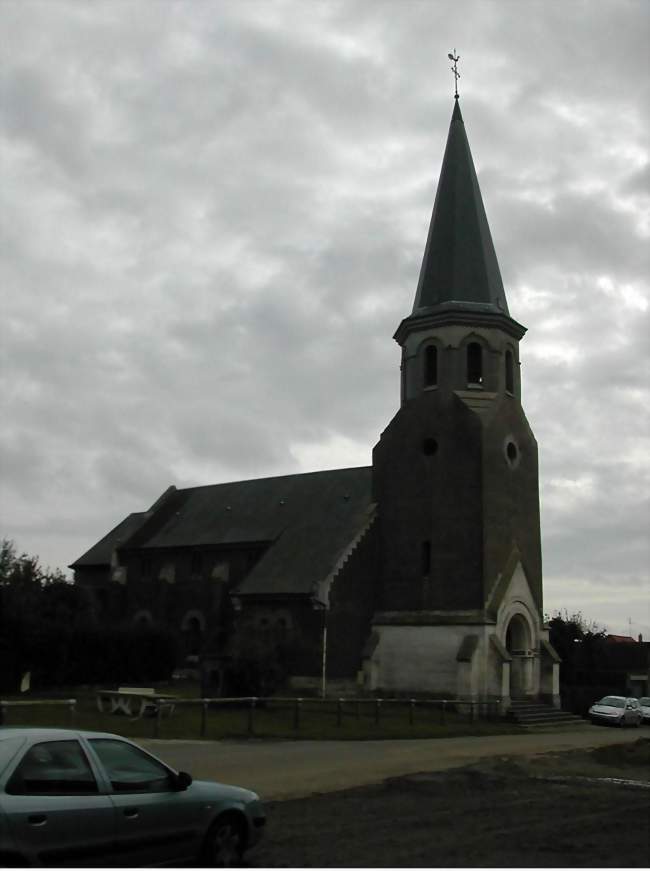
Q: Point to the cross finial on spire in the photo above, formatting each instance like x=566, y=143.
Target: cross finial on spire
x=454, y=69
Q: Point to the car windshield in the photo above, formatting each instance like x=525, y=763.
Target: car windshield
x=612, y=702
x=645, y=701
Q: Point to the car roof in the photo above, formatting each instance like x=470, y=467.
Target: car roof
x=44, y=732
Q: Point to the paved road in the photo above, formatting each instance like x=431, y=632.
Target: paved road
x=293, y=769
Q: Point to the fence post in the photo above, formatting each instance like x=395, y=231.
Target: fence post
x=73, y=704
x=3, y=712
x=251, y=711
x=377, y=707
x=358, y=709
x=204, y=718
x=411, y=711
x=443, y=711
x=296, y=714
x=339, y=711
x=156, y=722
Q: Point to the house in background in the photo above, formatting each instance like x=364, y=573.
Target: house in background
x=625, y=663
x=420, y=573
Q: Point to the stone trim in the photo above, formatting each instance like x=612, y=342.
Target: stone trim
x=472, y=314
x=467, y=649
x=432, y=618
x=500, y=648
x=321, y=590
x=370, y=646
x=545, y=647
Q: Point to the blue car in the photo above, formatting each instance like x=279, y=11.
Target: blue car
x=92, y=799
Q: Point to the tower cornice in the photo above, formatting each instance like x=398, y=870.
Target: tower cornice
x=458, y=314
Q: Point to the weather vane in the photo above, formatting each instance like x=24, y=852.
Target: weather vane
x=454, y=69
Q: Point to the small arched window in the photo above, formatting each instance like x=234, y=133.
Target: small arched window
x=474, y=364
x=193, y=631
x=430, y=366
x=197, y=563
x=510, y=377
x=142, y=620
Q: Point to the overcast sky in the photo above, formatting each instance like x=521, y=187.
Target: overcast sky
x=213, y=217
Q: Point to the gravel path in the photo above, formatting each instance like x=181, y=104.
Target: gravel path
x=293, y=769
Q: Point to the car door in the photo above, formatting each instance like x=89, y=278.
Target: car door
x=632, y=712
x=56, y=813
x=155, y=822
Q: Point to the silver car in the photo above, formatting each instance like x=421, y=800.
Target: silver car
x=617, y=711
x=94, y=799
x=645, y=708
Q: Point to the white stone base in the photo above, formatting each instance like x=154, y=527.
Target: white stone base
x=424, y=659
x=466, y=654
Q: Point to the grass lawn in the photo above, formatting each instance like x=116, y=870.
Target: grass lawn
x=277, y=718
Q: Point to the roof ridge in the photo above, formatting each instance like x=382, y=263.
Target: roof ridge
x=272, y=478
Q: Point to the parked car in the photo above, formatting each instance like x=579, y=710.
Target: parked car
x=644, y=701
x=95, y=799
x=617, y=711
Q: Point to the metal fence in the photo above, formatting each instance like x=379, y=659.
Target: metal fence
x=341, y=709
x=298, y=710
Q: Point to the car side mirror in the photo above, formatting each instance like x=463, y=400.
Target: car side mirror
x=182, y=780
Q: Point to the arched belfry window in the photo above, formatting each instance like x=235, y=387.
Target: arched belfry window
x=474, y=364
x=430, y=372
x=510, y=375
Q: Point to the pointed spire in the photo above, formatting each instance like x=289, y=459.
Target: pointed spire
x=459, y=264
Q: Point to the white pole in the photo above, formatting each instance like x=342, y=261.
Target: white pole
x=323, y=687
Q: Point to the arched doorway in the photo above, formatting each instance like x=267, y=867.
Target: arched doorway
x=518, y=645
x=142, y=619
x=193, y=629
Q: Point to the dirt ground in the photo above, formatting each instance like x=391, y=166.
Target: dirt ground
x=549, y=810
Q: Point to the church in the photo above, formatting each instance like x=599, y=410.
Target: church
x=421, y=573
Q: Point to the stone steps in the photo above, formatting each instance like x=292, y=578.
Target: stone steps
x=536, y=714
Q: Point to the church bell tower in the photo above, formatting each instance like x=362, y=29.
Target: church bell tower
x=455, y=474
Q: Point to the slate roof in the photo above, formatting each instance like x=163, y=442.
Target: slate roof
x=100, y=554
x=459, y=264
x=306, y=521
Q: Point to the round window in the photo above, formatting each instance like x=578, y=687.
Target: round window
x=512, y=453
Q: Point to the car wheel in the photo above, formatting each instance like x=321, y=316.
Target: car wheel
x=224, y=843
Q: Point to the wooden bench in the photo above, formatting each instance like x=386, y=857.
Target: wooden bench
x=122, y=701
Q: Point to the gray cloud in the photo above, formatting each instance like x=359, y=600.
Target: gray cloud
x=212, y=223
